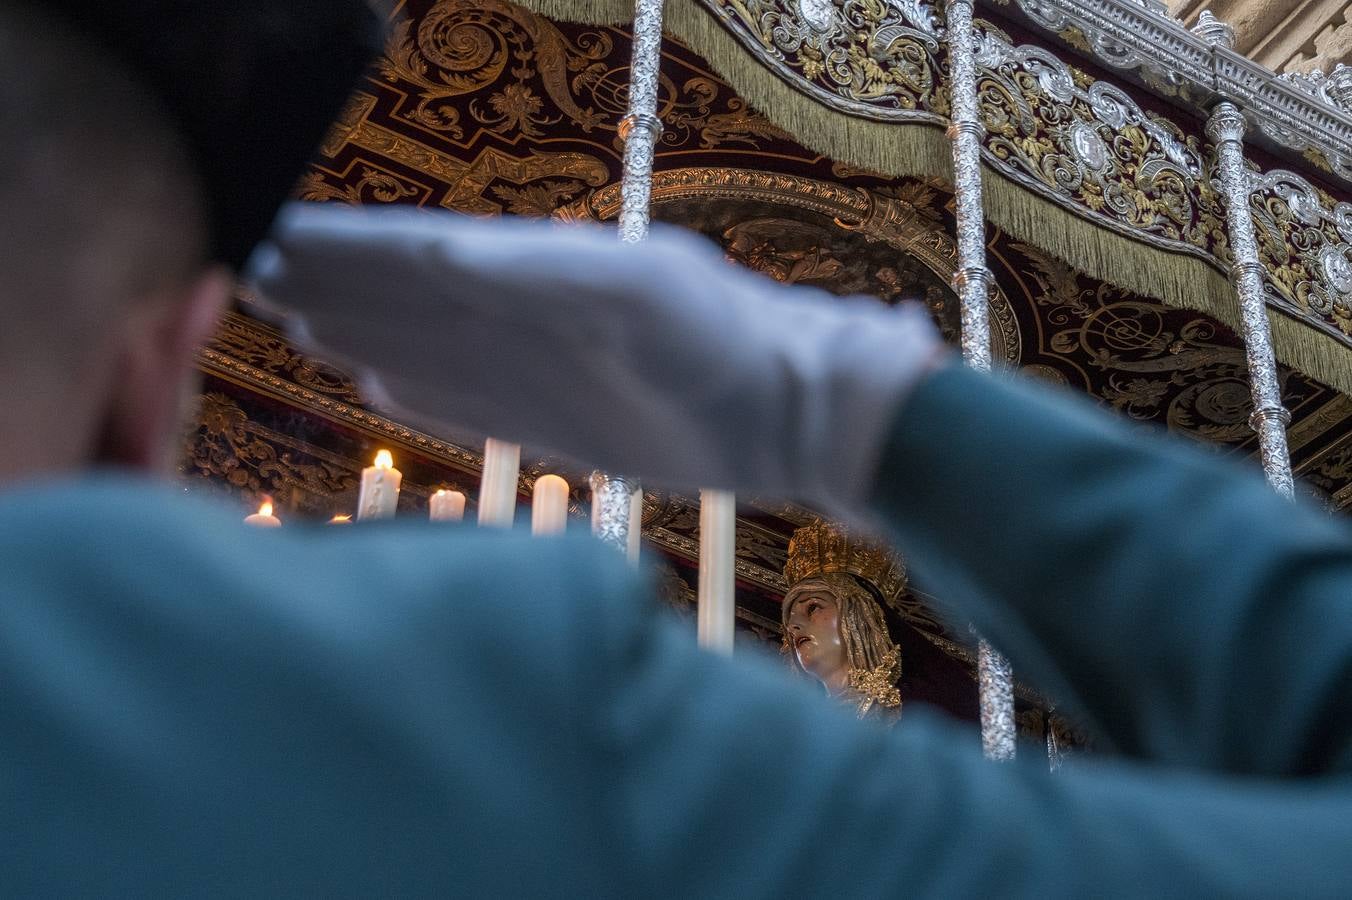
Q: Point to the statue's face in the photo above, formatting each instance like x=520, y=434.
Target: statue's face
x=814, y=633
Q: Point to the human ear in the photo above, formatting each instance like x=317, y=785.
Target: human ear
x=153, y=377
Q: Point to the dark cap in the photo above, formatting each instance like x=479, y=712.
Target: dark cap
x=252, y=85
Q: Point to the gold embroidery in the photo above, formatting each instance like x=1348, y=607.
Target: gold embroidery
x=878, y=685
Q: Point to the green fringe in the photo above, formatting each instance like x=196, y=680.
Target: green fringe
x=1179, y=279
x=590, y=12
x=1312, y=352
x=902, y=149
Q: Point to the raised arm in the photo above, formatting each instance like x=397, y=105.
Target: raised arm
x=726, y=782
x=1196, y=616
x=1192, y=615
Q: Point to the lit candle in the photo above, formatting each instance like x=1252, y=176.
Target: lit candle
x=264, y=517
x=341, y=520
x=379, y=493
x=497, y=489
x=549, y=505
x=446, y=506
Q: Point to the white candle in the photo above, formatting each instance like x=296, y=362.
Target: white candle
x=264, y=517
x=379, y=493
x=549, y=505
x=497, y=489
x=446, y=506
x=717, y=557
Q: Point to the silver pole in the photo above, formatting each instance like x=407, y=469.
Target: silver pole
x=639, y=129
x=1056, y=756
x=995, y=681
x=1226, y=128
x=972, y=280
x=612, y=500
x=995, y=686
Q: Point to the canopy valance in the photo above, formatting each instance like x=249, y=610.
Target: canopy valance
x=1113, y=178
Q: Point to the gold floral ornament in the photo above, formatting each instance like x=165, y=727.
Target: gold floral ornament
x=879, y=685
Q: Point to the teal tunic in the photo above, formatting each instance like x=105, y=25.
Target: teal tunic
x=191, y=707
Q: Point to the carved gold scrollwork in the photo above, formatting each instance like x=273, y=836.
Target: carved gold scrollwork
x=460, y=47
x=372, y=187
x=526, y=76
x=225, y=444
x=1184, y=372
x=247, y=341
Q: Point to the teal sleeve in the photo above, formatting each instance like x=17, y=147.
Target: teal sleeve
x=189, y=707
x=726, y=781
x=1191, y=615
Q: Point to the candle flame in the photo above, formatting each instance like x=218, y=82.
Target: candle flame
x=441, y=492
x=265, y=508
x=340, y=520
x=384, y=460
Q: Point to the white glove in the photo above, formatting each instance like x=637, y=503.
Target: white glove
x=660, y=360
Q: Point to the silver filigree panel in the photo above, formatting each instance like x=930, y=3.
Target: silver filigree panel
x=1299, y=112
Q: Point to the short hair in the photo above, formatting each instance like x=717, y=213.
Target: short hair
x=99, y=200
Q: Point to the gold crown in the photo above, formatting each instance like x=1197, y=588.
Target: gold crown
x=825, y=549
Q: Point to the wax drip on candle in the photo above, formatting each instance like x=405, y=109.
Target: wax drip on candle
x=379, y=493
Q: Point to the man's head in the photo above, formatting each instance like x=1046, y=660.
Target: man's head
x=149, y=144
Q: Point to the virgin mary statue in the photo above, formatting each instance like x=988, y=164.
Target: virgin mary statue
x=833, y=620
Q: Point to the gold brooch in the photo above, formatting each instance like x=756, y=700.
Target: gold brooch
x=878, y=685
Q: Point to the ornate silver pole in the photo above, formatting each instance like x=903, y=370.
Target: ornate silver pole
x=995, y=686
x=1056, y=756
x=972, y=282
x=612, y=499
x=1226, y=129
x=635, y=548
x=639, y=129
